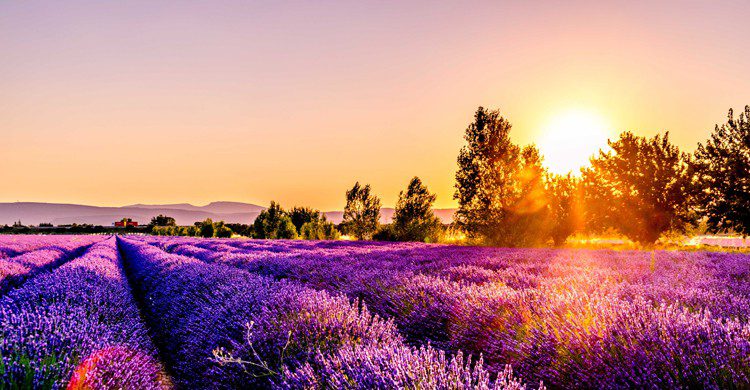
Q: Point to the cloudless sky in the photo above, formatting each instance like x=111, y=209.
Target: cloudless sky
x=112, y=103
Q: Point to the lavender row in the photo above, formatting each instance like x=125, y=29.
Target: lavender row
x=77, y=327
x=221, y=327
x=16, y=270
x=571, y=318
x=713, y=281
x=17, y=244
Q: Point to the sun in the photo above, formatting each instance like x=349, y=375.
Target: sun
x=570, y=138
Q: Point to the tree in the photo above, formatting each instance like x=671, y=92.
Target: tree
x=413, y=219
x=311, y=224
x=303, y=215
x=221, y=230
x=723, y=170
x=362, y=212
x=564, y=206
x=241, y=229
x=274, y=223
x=319, y=230
x=162, y=220
x=206, y=228
x=641, y=188
x=499, y=186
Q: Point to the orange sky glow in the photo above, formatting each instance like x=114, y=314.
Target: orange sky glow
x=114, y=103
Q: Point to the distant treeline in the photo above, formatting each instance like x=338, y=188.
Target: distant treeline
x=413, y=220
x=46, y=228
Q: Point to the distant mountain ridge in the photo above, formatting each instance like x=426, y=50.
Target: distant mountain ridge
x=213, y=207
x=34, y=213
x=185, y=214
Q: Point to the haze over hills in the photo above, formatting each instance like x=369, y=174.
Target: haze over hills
x=34, y=213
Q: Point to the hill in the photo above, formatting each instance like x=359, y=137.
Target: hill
x=34, y=213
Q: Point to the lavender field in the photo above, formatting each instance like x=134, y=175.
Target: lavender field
x=142, y=312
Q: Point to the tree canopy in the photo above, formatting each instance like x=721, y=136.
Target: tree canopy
x=413, y=219
x=723, y=170
x=362, y=212
x=274, y=223
x=563, y=194
x=499, y=185
x=641, y=188
x=162, y=220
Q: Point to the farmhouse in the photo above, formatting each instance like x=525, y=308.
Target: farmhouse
x=126, y=222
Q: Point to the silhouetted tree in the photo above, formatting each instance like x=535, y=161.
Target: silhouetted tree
x=303, y=215
x=221, y=230
x=499, y=186
x=162, y=220
x=274, y=223
x=413, y=219
x=564, y=206
x=241, y=229
x=641, y=188
x=723, y=170
x=206, y=228
x=362, y=212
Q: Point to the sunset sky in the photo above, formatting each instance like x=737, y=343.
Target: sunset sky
x=113, y=103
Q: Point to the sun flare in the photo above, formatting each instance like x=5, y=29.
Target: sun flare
x=570, y=138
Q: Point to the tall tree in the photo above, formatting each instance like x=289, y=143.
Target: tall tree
x=206, y=228
x=362, y=212
x=723, y=170
x=642, y=188
x=499, y=186
x=564, y=206
x=413, y=219
x=274, y=223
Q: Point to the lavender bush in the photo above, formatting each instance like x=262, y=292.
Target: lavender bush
x=30, y=256
x=77, y=326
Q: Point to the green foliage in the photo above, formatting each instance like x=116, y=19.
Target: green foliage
x=24, y=378
x=361, y=213
x=499, y=186
x=386, y=232
x=191, y=231
x=641, y=188
x=723, y=168
x=319, y=230
x=242, y=229
x=274, y=223
x=303, y=215
x=162, y=220
x=221, y=230
x=413, y=219
x=206, y=228
x=564, y=206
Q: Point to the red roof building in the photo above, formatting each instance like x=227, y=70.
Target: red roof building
x=126, y=223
